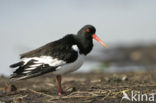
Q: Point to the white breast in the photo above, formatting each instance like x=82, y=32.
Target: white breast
x=67, y=68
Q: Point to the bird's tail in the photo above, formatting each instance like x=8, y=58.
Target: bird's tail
x=16, y=64
x=19, y=65
x=29, y=70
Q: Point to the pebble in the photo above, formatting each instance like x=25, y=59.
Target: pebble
x=10, y=88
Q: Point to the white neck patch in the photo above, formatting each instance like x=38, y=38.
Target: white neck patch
x=75, y=47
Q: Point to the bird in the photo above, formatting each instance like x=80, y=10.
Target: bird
x=59, y=57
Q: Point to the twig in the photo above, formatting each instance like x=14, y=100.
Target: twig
x=122, y=91
x=40, y=93
x=106, y=95
x=66, y=97
x=21, y=97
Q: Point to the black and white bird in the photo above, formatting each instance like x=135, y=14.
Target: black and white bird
x=59, y=57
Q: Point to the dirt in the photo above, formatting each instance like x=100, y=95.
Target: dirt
x=81, y=88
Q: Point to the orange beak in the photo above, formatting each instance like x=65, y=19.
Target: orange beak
x=94, y=36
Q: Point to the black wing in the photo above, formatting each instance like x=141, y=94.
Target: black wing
x=61, y=49
x=60, y=53
x=26, y=71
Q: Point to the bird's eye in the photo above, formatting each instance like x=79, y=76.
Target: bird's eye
x=87, y=30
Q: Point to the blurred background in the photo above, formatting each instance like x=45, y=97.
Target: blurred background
x=127, y=26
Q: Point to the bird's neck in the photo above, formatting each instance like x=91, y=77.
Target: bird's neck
x=84, y=45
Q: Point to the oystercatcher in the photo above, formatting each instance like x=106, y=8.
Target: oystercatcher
x=59, y=57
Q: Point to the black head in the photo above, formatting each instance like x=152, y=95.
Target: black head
x=85, y=37
x=87, y=31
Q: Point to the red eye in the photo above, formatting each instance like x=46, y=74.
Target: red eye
x=87, y=30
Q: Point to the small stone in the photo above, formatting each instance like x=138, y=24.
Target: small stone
x=107, y=79
x=73, y=89
x=96, y=81
x=10, y=88
x=124, y=78
x=17, y=100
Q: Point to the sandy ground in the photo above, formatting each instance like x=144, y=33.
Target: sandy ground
x=81, y=88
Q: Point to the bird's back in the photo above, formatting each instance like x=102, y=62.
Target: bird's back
x=56, y=49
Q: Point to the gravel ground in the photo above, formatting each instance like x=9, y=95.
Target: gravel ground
x=81, y=88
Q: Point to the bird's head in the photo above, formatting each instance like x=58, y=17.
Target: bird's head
x=88, y=33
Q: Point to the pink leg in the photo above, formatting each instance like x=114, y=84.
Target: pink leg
x=60, y=90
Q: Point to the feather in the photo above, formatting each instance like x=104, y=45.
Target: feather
x=36, y=66
x=17, y=64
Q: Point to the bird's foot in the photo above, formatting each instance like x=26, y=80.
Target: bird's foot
x=62, y=93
